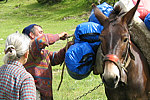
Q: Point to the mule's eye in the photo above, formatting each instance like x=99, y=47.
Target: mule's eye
x=125, y=40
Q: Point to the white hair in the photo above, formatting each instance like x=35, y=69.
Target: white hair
x=16, y=46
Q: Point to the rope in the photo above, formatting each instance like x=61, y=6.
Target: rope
x=61, y=76
x=90, y=91
x=64, y=62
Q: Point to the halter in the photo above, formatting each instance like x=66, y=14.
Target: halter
x=113, y=58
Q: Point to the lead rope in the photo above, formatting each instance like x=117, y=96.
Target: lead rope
x=64, y=62
x=61, y=76
x=96, y=87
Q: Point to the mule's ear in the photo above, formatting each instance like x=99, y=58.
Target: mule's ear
x=99, y=15
x=127, y=18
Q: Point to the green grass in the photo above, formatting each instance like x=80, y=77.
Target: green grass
x=17, y=14
x=64, y=16
x=71, y=89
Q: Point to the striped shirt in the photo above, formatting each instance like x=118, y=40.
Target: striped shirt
x=40, y=61
x=16, y=83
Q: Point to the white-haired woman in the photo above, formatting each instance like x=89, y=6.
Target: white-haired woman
x=15, y=82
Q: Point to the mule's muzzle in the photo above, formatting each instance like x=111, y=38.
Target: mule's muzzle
x=111, y=82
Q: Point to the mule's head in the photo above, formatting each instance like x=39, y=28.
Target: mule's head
x=115, y=44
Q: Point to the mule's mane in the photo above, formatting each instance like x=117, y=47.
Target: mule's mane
x=115, y=13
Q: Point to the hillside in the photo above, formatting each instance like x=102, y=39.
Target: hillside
x=64, y=16
x=56, y=18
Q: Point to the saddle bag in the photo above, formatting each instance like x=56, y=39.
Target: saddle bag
x=79, y=59
x=88, y=32
x=147, y=21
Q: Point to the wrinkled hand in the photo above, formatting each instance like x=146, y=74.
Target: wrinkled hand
x=63, y=35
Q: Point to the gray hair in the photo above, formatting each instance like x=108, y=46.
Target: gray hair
x=16, y=46
x=33, y=29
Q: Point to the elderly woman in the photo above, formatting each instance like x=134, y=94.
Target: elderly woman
x=15, y=82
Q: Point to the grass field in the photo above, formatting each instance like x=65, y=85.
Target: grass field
x=65, y=16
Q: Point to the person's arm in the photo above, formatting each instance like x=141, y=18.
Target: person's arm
x=58, y=57
x=28, y=89
x=46, y=40
x=39, y=43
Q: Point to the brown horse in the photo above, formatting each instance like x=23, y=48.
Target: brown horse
x=125, y=72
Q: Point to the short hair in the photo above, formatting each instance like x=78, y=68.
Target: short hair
x=33, y=29
x=16, y=46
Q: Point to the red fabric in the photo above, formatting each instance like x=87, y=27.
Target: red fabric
x=143, y=8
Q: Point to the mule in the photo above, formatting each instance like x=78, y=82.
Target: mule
x=122, y=66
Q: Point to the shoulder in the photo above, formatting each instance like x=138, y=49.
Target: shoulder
x=17, y=71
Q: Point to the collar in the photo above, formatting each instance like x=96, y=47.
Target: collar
x=15, y=62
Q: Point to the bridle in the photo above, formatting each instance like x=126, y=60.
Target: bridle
x=113, y=58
